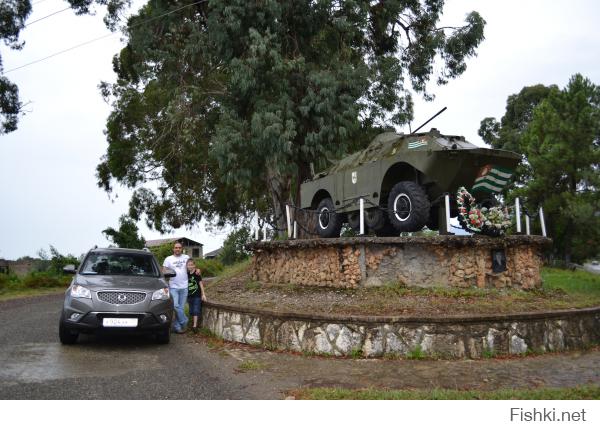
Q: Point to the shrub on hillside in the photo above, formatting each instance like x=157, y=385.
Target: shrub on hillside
x=209, y=268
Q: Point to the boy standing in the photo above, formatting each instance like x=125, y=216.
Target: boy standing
x=195, y=292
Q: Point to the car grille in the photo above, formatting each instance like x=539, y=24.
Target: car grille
x=121, y=297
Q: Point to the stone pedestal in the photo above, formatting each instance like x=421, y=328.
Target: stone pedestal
x=434, y=261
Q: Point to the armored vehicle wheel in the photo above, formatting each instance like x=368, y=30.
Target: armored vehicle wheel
x=354, y=221
x=329, y=224
x=434, y=218
x=408, y=206
x=387, y=230
x=377, y=220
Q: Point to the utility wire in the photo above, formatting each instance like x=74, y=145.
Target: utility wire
x=47, y=16
x=102, y=37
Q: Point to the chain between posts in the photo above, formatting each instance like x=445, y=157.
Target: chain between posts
x=376, y=206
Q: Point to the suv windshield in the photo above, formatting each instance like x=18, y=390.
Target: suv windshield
x=116, y=263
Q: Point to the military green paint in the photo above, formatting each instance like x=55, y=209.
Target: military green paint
x=439, y=163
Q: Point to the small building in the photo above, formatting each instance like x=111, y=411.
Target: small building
x=190, y=247
x=20, y=267
x=213, y=254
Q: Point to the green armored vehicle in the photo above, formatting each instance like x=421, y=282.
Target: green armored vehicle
x=402, y=180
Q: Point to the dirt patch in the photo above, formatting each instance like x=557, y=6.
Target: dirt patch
x=388, y=300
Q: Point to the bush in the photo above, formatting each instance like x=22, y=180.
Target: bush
x=44, y=280
x=161, y=252
x=8, y=281
x=209, y=268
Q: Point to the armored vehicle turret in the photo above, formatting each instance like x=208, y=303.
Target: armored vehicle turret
x=402, y=180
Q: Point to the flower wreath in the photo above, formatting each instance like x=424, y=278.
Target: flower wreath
x=492, y=221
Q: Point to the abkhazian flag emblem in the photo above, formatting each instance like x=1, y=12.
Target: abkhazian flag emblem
x=492, y=179
x=417, y=144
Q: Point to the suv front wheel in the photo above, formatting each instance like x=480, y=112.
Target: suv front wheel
x=66, y=336
x=408, y=206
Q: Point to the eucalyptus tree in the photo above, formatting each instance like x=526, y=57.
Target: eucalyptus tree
x=13, y=17
x=13, y=14
x=219, y=108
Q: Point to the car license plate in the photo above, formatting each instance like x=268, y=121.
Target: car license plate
x=120, y=322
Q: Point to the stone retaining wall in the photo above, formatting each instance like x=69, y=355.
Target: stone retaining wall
x=454, y=261
x=457, y=337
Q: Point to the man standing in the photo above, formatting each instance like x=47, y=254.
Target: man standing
x=178, y=285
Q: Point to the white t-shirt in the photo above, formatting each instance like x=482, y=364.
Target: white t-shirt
x=178, y=265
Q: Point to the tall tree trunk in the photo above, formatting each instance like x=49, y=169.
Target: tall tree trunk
x=307, y=221
x=279, y=188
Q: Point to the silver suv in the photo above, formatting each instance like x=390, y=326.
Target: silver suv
x=118, y=290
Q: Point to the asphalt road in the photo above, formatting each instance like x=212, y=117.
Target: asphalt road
x=36, y=365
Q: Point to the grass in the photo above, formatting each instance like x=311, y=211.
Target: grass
x=232, y=271
x=416, y=353
x=582, y=286
x=253, y=285
x=251, y=365
x=33, y=284
x=357, y=353
x=29, y=292
x=585, y=392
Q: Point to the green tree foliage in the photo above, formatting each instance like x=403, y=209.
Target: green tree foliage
x=54, y=261
x=127, y=236
x=558, y=133
x=162, y=251
x=508, y=133
x=234, y=246
x=13, y=16
x=562, y=146
x=222, y=106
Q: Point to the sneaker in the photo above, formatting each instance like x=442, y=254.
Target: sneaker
x=180, y=331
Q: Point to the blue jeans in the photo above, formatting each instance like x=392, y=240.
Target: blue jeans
x=179, y=298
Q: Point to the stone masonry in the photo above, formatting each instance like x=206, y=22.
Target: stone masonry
x=438, y=261
x=450, y=337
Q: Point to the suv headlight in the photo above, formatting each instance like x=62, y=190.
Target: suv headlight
x=162, y=294
x=81, y=292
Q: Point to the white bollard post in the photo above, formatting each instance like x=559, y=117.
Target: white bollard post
x=264, y=232
x=518, y=214
x=362, y=216
x=257, y=227
x=527, y=225
x=295, y=230
x=447, y=207
x=289, y=220
x=542, y=222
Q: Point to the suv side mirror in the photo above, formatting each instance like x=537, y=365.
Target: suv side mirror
x=70, y=268
x=169, y=273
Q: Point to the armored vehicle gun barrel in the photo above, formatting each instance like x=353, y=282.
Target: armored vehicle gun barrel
x=401, y=179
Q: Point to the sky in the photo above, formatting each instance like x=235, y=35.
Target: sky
x=47, y=167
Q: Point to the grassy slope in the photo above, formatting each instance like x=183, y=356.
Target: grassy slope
x=577, y=393
x=583, y=287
